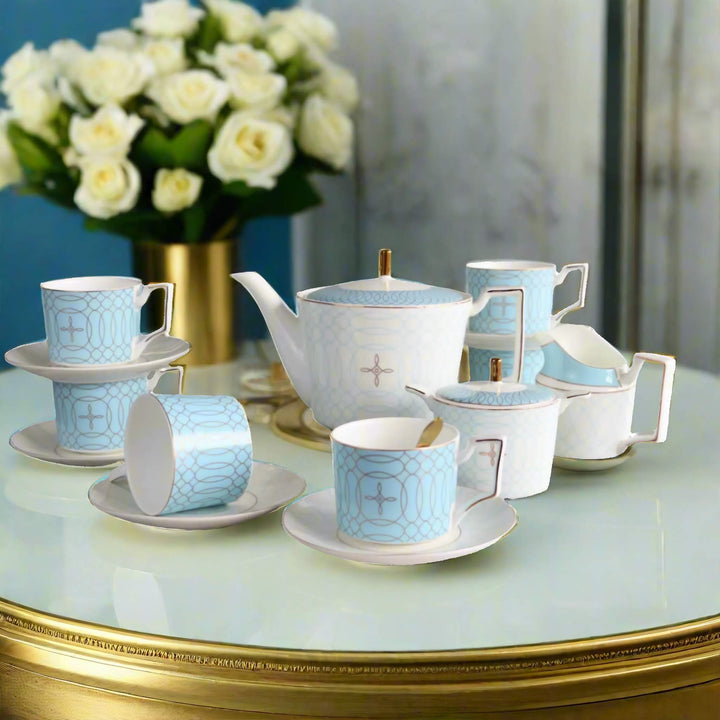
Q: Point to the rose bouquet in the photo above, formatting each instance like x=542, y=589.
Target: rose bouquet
x=183, y=127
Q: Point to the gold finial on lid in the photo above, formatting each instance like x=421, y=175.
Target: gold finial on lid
x=384, y=262
x=495, y=369
x=464, y=371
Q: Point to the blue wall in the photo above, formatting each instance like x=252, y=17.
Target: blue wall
x=39, y=241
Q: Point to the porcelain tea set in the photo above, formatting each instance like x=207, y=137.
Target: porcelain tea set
x=375, y=360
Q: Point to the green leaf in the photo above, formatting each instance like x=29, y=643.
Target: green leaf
x=209, y=33
x=239, y=188
x=292, y=194
x=136, y=224
x=153, y=149
x=36, y=156
x=62, y=125
x=190, y=145
x=193, y=222
x=186, y=149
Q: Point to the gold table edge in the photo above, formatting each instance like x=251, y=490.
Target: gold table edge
x=585, y=651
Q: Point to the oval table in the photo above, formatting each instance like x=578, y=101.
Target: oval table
x=603, y=603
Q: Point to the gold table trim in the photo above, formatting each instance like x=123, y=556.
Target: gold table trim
x=136, y=675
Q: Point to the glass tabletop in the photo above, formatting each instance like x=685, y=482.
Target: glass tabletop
x=600, y=553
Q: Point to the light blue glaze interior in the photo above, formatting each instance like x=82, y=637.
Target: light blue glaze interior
x=391, y=298
x=500, y=394
x=561, y=366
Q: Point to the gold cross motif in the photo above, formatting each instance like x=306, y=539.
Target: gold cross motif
x=90, y=417
x=380, y=498
x=376, y=370
x=72, y=330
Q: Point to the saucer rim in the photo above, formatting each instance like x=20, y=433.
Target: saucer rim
x=100, y=373
x=69, y=458
x=212, y=522
x=421, y=556
x=583, y=464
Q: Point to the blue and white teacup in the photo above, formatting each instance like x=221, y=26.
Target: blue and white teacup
x=91, y=417
x=539, y=280
x=184, y=452
x=390, y=492
x=96, y=320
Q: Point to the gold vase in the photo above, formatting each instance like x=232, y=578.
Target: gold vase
x=203, y=308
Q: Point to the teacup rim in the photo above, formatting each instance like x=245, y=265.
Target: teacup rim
x=509, y=264
x=344, y=428
x=61, y=284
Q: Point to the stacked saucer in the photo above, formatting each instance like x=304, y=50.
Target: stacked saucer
x=99, y=364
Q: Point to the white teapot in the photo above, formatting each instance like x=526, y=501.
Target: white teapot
x=352, y=347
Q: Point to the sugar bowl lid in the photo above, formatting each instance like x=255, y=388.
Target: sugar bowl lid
x=496, y=392
x=386, y=291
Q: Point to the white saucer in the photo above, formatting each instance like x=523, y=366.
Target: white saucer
x=40, y=442
x=270, y=487
x=592, y=465
x=160, y=351
x=311, y=520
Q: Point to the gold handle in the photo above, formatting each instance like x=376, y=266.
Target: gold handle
x=495, y=369
x=384, y=262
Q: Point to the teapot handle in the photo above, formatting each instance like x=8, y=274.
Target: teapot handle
x=466, y=454
x=666, y=387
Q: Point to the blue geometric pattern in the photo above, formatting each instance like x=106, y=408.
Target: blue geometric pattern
x=92, y=417
x=561, y=366
x=90, y=328
x=348, y=348
x=480, y=363
x=394, y=496
x=528, y=454
x=472, y=394
x=395, y=298
x=213, y=450
x=498, y=317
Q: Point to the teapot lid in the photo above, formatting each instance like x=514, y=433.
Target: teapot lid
x=495, y=392
x=386, y=291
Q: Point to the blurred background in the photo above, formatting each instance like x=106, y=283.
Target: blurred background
x=550, y=130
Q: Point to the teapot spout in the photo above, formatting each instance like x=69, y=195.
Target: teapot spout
x=424, y=394
x=285, y=330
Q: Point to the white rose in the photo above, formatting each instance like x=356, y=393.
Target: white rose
x=175, y=189
x=255, y=91
x=189, y=95
x=168, y=18
x=110, y=131
x=282, y=44
x=108, y=186
x=239, y=22
x=122, y=39
x=252, y=149
x=325, y=132
x=310, y=27
x=34, y=104
x=70, y=96
x=106, y=74
x=168, y=56
x=26, y=61
x=65, y=54
x=340, y=86
x=286, y=116
x=239, y=56
x=10, y=170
